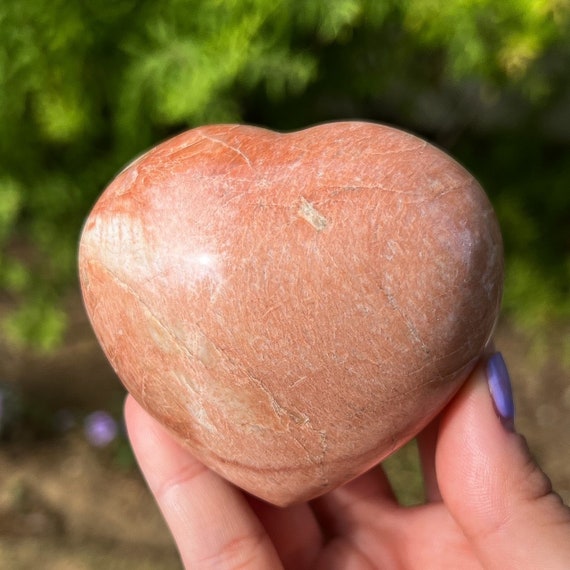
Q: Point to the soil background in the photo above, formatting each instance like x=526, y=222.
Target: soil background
x=65, y=505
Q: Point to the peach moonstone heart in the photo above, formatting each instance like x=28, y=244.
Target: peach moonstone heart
x=293, y=307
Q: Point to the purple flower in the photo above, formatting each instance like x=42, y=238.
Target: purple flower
x=100, y=428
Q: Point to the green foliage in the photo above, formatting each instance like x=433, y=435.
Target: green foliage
x=485, y=37
x=403, y=469
x=10, y=202
x=86, y=86
x=530, y=179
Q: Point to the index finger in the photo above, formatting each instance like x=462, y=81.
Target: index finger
x=210, y=520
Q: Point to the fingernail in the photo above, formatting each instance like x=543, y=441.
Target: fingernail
x=500, y=388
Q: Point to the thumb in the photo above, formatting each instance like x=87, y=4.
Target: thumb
x=490, y=483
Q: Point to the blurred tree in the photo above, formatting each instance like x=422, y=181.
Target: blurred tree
x=86, y=86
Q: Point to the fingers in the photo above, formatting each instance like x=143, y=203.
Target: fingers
x=294, y=531
x=491, y=485
x=355, y=503
x=427, y=444
x=210, y=520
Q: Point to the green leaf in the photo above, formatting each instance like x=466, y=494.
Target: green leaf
x=15, y=277
x=39, y=324
x=10, y=205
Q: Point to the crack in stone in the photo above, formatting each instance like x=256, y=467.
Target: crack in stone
x=302, y=421
x=318, y=460
x=229, y=146
x=409, y=324
x=296, y=417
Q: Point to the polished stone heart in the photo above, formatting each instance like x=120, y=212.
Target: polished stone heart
x=293, y=307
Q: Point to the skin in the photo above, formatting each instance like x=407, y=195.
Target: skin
x=488, y=505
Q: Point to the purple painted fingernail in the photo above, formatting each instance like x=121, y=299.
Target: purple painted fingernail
x=500, y=387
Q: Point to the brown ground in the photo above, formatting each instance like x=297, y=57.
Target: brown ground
x=65, y=505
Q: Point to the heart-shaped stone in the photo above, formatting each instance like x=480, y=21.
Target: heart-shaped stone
x=294, y=307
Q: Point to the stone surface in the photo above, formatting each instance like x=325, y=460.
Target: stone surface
x=294, y=307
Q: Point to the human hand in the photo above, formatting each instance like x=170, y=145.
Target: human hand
x=488, y=503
